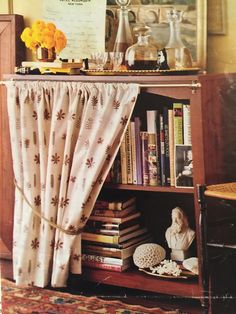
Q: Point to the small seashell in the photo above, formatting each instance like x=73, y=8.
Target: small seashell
x=191, y=264
x=148, y=254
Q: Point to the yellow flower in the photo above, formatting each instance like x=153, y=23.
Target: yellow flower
x=44, y=35
x=38, y=25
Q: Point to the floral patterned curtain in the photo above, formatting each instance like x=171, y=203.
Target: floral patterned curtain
x=64, y=136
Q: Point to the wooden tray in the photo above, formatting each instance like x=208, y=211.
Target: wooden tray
x=141, y=72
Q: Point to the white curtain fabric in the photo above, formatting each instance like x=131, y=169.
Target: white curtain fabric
x=64, y=136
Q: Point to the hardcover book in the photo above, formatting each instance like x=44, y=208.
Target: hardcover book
x=113, y=203
x=114, y=213
x=142, y=238
x=110, y=251
x=105, y=260
x=118, y=268
x=113, y=239
x=178, y=123
x=115, y=220
x=144, y=153
x=183, y=166
x=113, y=231
x=137, y=125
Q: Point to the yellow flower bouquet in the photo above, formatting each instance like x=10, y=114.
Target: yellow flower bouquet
x=44, y=39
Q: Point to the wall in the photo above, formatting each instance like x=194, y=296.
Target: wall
x=221, y=49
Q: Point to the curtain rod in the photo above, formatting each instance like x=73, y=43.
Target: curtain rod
x=193, y=85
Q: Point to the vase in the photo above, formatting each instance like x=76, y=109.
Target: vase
x=178, y=56
x=45, y=54
x=124, y=37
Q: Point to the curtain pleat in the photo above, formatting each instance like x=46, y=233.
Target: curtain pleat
x=65, y=136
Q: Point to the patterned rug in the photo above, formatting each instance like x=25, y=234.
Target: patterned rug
x=33, y=300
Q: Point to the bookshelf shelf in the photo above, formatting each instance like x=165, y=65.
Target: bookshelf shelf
x=133, y=187
x=137, y=280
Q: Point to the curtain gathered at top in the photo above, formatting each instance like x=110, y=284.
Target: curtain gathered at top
x=64, y=136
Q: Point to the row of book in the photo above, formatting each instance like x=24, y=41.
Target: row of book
x=112, y=233
x=148, y=156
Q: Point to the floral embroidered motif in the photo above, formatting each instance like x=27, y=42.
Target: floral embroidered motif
x=83, y=218
x=89, y=124
x=39, y=98
x=72, y=228
x=35, y=244
x=116, y=104
x=26, y=143
x=62, y=267
x=90, y=162
x=58, y=244
x=124, y=120
x=37, y=200
x=37, y=159
x=94, y=102
x=55, y=158
x=72, y=117
x=46, y=114
x=108, y=149
x=76, y=257
x=67, y=160
x=54, y=201
x=63, y=136
x=100, y=140
x=64, y=202
x=72, y=179
x=60, y=115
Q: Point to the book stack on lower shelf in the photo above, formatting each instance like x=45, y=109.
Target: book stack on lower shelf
x=111, y=235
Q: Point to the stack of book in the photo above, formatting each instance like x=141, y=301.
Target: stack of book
x=111, y=235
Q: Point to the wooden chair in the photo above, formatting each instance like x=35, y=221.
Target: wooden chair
x=218, y=226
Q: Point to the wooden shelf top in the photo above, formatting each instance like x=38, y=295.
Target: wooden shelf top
x=134, y=187
x=137, y=280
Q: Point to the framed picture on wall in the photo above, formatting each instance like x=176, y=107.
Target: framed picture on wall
x=153, y=13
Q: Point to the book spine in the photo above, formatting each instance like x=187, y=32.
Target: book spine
x=103, y=251
x=171, y=146
x=187, y=125
x=152, y=160
x=133, y=152
x=166, y=146
x=144, y=151
x=162, y=151
x=111, y=267
x=102, y=259
x=137, y=125
x=95, y=237
x=129, y=155
x=116, y=170
x=123, y=161
x=178, y=123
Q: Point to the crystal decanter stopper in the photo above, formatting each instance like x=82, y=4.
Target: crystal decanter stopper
x=178, y=56
x=124, y=37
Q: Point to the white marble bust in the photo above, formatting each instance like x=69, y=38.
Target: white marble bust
x=179, y=236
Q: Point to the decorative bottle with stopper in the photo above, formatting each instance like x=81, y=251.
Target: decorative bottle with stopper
x=178, y=56
x=142, y=55
x=124, y=37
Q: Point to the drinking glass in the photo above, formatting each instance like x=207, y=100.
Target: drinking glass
x=116, y=59
x=100, y=59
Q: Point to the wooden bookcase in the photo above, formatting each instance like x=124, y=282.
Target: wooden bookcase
x=213, y=117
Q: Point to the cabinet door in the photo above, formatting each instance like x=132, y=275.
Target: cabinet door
x=12, y=52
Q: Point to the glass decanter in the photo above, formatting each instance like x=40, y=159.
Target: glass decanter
x=178, y=56
x=124, y=37
x=142, y=55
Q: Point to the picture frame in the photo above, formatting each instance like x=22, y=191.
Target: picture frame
x=153, y=14
x=183, y=166
x=216, y=17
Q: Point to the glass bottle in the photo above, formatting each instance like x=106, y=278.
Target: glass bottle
x=142, y=55
x=178, y=56
x=124, y=37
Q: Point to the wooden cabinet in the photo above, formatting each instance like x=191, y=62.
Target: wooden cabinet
x=12, y=52
x=214, y=150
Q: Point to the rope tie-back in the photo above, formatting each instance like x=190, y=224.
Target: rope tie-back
x=36, y=213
